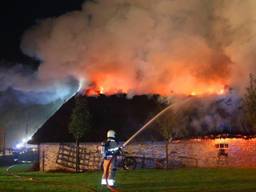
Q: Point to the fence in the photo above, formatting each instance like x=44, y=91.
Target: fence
x=88, y=160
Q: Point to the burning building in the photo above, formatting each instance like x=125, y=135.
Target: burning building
x=143, y=47
x=171, y=48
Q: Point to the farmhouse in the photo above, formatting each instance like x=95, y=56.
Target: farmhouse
x=57, y=151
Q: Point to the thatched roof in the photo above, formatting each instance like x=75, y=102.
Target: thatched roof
x=126, y=116
x=116, y=112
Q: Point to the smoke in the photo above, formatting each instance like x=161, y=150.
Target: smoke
x=144, y=46
x=204, y=116
x=31, y=89
x=26, y=101
x=215, y=115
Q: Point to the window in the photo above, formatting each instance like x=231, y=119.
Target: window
x=221, y=146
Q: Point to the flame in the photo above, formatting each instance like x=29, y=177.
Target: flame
x=108, y=83
x=115, y=81
x=221, y=92
x=101, y=90
x=109, y=90
x=209, y=91
x=193, y=93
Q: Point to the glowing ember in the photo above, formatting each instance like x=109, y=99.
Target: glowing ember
x=193, y=93
x=221, y=92
x=101, y=90
x=209, y=91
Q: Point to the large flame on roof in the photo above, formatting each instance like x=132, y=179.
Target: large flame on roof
x=109, y=84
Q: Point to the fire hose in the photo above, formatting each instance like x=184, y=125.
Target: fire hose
x=128, y=141
x=132, y=137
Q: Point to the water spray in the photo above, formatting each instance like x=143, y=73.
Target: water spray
x=151, y=121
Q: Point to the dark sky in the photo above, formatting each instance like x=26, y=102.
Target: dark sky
x=18, y=15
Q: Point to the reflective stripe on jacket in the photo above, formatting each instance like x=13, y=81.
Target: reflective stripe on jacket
x=110, y=148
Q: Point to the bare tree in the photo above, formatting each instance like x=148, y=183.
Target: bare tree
x=174, y=124
x=166, y=124
x=249, y=104
x=79, y=124
x=2, y=139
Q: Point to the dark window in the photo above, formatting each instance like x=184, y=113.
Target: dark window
x=221, y=146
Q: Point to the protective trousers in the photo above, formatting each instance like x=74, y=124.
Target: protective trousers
x=109, y=172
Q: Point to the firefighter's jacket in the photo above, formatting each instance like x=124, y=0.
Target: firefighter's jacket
x=110, y=148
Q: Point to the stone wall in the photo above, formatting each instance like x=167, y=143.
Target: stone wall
x=230, y=152
x=146, y=151
x=191, y=153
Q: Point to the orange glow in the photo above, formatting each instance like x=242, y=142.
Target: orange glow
x=224, y=140
x=108, y=88
x=193, y=93
x=108, y=84
x=111, y=86
x=114, y=81
x=101, y=90
x=209, y=91
x=221, y=92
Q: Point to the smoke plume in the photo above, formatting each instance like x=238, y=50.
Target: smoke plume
x=146, y=46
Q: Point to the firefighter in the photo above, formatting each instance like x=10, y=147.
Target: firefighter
x=109, y=150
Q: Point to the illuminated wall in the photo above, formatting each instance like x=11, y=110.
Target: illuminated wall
x=231, y=152
x=236, y=152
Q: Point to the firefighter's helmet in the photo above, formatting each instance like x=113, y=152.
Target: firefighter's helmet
x=111, y=134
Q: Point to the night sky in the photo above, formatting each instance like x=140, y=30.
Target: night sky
x=17, y=16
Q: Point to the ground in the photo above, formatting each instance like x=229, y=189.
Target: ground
x=148, y=180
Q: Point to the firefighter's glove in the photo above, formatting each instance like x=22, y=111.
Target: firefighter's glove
x=120, y=150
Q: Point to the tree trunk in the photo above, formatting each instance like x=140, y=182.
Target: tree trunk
x=77, y=156
x=4, y=142
x=166, y=154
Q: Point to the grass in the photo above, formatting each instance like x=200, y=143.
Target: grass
x=177, y=180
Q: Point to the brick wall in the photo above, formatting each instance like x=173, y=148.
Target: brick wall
x=191, y=153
